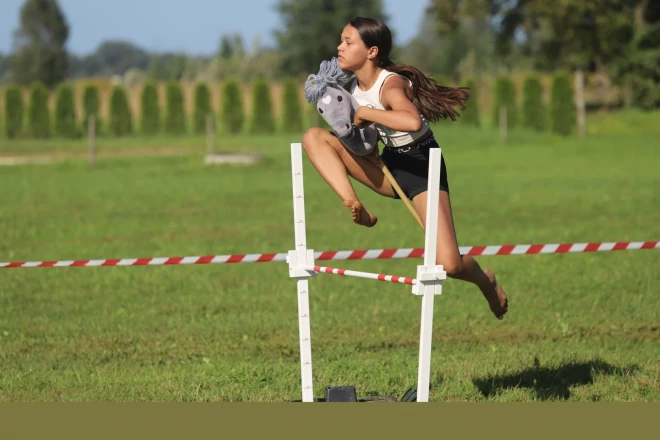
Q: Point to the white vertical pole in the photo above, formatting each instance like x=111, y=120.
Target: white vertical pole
x=91, y=135
x=210, y=135
x=302, y=282
x=430, y=250
x=504, y=124
x=580, y=102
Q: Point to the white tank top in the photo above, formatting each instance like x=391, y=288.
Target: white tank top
x=371, y=98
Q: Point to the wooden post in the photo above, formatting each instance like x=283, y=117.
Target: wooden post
x=503, y=124
x=210, y=139
x=579, y=103
x=91, y=134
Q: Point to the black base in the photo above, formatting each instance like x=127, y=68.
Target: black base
x=347, y=394
x=340, y=394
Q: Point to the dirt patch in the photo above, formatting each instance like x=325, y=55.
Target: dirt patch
x=232, y=158
x=9, y=159
x=23, y=160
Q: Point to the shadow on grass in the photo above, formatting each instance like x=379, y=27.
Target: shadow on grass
x=550, y=383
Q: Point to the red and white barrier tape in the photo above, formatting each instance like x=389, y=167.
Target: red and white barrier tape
x=374, y=254
x=368, y=275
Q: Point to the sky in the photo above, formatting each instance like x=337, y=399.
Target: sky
x=191, y=26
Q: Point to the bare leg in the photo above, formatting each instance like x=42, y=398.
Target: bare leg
x=335, y=163
x=462, y=267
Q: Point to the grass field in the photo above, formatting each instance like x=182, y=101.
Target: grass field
x=581, y=327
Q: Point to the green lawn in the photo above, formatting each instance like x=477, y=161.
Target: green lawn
x=581, y=327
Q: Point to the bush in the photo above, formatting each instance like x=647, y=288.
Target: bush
x=65, y=112
x=175, y=119
x=38, y=114
x=121, y=120
x=562, y=107
x=233, y=115
x=291, y=110
x=641, y=68
x=263, y=120
x=14, y=112
x=150, y=123
x=505, y=95
x=202, y=108
x=470, y=115
x=534, y=112
x=91, y=106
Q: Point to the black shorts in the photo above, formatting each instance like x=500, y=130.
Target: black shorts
x=409, y=166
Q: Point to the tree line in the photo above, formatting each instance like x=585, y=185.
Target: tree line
x=617, y=39
x=34, y=118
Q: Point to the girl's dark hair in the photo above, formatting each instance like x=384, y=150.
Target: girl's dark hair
x=433, y=100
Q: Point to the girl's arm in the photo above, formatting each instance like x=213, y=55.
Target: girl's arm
x=401, y=113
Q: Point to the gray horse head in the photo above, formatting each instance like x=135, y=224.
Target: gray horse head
x=337, y=107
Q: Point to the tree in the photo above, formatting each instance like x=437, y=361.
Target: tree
x=612, y=37
x=167, y=66
x=121, y=120
x=150, y=109
x=471, y=114
x=263, y=120
x=312, y=29
x=4, y=66
x=434, y=53
x=116, y=57
x=534, y=115
x=451, y=14
x=40, y=44
x=505, y=95
x=291, y=110
x=175, y=119
x=177, y=64
x=232, y=107
x=641, y=69
x=65, y=112
x=14, y=111
x=38, y=114
x=586, y=34
x=562, y=108
x=456, y=36
x=644, y=68
x=202, y=108
x=91, y=106
x=226, y=49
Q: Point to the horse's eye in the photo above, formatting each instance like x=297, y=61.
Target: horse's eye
x=348, y=126
x=320, y=110
x=340, y=98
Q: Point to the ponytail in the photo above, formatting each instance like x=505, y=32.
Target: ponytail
x=433, y=101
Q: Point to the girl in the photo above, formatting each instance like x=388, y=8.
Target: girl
x=399, y=100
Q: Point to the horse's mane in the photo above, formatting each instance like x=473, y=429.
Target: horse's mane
x=329, y=74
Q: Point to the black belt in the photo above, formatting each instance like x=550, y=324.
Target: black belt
x=407, y=148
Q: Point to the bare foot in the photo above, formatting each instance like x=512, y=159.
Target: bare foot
x=359, y=213
x=495, y=295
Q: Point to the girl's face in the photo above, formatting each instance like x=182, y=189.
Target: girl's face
x=352, y=52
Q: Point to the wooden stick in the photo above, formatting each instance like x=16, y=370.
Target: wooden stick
x=399, y=191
